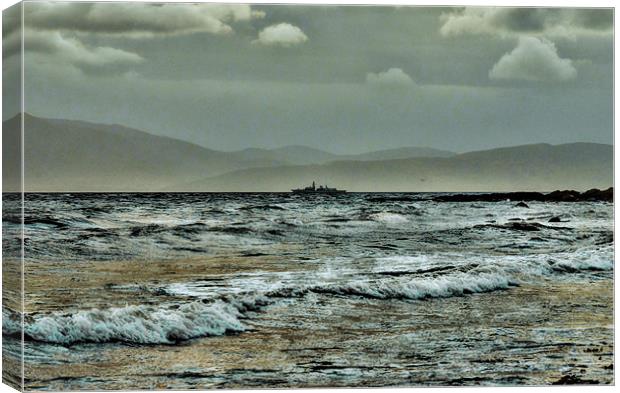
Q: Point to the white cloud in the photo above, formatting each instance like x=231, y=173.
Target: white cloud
x=391, y=77
x=282, y=34
x=506, y=21
x=137, y=19
x=533, y=59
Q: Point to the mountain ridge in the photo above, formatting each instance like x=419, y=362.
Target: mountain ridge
x=409, y=151
x=74, y=155
x=579, y=166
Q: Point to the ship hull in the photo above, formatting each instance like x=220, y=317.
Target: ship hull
x=319, y=192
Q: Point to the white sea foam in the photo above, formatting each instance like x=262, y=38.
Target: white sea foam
x=389, y=218
x=11, y=322
x=439, y=287
x=136, y=324
x=601, y=259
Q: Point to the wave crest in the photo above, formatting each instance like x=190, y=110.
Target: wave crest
x=389, y=218
x=210, y=316
x=440, y=287
x=132, y=324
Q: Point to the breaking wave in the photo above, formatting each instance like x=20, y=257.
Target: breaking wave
x=137, y=324
x=142, y=324
x=403, y=287
x=205, y=315
x=440, y=287
x=594, y=259
x=389, y=218
x=11, y=323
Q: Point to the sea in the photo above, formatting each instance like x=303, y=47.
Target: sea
x=275, y=290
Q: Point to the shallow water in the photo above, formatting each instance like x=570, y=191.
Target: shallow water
x=275, y=290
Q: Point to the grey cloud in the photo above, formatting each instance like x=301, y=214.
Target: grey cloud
x=137, y=19
x=533, y=59
x=11, y=20
x=598, y=19
x=57, y=29
x=69, y=51
x=523, y=19
x=516, y=21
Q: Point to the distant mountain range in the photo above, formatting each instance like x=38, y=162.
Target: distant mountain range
x=68, y=155
x=539, y=167
x=302, y=155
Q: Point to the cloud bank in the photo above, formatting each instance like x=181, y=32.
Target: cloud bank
x=137, y=19
x=58, y=49
x=55, y=32
x=565, y=22
x=533, y=59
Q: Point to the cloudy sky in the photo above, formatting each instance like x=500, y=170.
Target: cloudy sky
x=344, y=79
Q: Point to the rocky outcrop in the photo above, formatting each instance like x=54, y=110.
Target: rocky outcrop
x=599, y=195
x=556, y=196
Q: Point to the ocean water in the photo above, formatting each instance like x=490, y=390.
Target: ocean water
x=154, y=291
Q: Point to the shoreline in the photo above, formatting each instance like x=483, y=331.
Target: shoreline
x=564, y=329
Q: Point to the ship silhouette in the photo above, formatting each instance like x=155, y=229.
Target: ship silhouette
x=313, y=189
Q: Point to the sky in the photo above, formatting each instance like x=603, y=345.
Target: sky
x=346, y=79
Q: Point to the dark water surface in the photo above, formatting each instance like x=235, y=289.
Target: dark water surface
x=278, y=290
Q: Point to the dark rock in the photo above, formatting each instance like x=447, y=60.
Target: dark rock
x=522, y=204
x=563, y=196
x=593, y=192
x=523, y=226
x=513, y=225
x=597, y=195
x=555, y=219
x=555, y=196
x=570, y=379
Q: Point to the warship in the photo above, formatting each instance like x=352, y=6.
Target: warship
x=313, y=189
